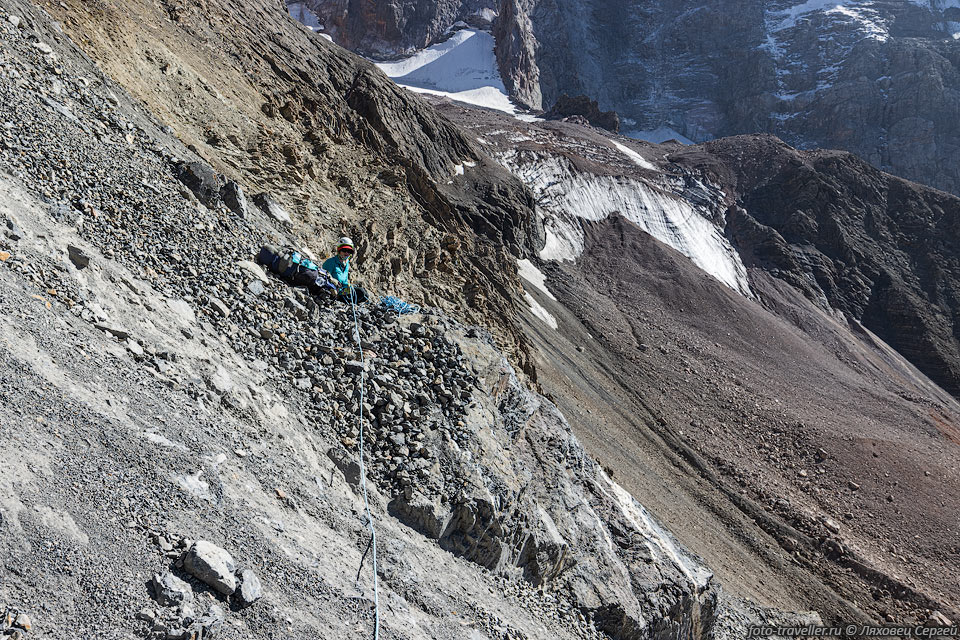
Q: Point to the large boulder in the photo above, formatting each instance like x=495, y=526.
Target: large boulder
x=211, y=565
x=202, y=180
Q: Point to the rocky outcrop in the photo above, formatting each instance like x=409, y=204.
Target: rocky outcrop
x=867, y=79
x=630, y=575
x=516, y=52
x=874, y=247
x=583, y=109
x=385, y=29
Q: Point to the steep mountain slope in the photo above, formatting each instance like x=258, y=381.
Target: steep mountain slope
x=181, y=429
x=807, y=424
x=339, y=145
x=158, y=388
x=878, y=249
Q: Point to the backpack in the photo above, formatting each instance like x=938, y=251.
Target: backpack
x=294, y=267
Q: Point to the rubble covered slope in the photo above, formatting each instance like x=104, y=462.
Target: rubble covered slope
x=182, y=429
x=802, y=410
x=185, y=431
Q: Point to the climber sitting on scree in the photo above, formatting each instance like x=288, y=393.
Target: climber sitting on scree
x=338, y=266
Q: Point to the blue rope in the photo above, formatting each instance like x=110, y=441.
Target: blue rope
x=398, y=305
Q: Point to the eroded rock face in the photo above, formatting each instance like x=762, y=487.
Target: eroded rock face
x=879, y=249
x=869, y=80
x=389, y=28
x=567, y=525
x=583, y=108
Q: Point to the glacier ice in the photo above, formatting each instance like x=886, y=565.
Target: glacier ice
x=566, y=195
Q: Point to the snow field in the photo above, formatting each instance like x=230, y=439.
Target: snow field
x=529, y=272
x=537, y=309
x=463, y=68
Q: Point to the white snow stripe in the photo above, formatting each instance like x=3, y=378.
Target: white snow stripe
x=634, y=156
x=537, y=309
x=529, y=272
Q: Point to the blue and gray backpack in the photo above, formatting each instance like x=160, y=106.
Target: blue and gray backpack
x=294, y=267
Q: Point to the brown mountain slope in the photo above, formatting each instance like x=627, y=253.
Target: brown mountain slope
x=805, y=458
x=875, y=247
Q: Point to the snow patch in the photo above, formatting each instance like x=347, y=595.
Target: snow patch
x=463, y=68
x=527, y=117
x=634, y=156
x=565, y=195
x=537, y=309
x=488, y=97
x=564, y=241
x=529, y=272
x=857, y=11
x=463, y=62
x=658, y=541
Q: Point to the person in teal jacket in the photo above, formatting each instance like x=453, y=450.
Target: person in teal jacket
x=338, y=266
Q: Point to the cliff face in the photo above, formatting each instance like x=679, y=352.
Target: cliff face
x=879, y=79
x=385, y=29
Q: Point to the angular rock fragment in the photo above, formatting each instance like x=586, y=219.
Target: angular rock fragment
x=202, y=180
x=78, y=257
x=233, y=196
x=114, y=329
x=14, y=232
x=250, y=589
x=211, y=565
x=254, y=269
x=268, y=204
x=219, y=306
x=170, y=591
x=209, y=624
